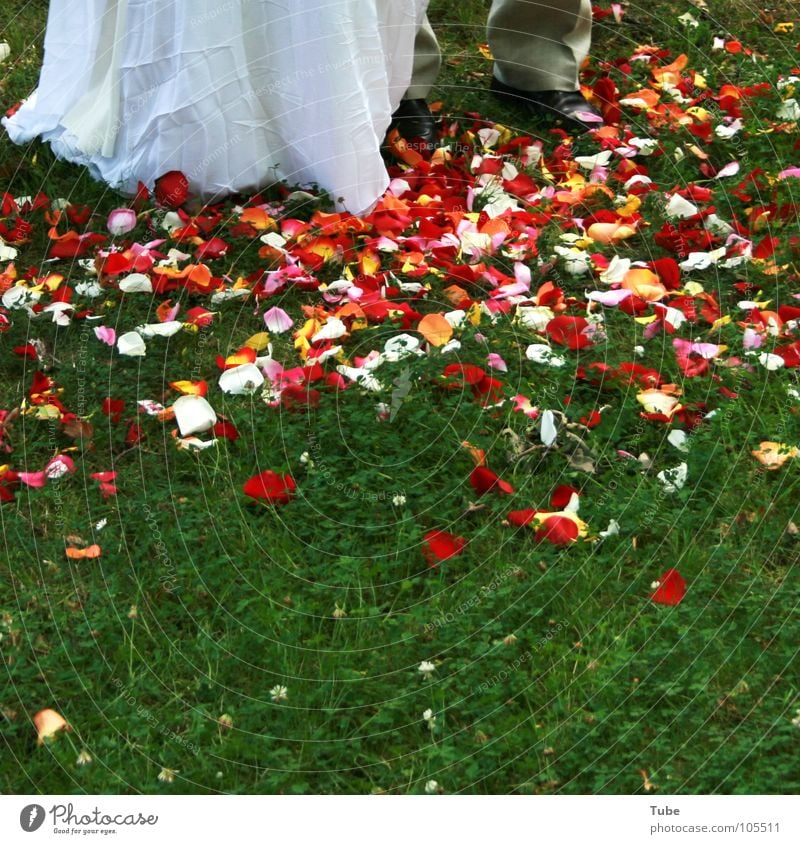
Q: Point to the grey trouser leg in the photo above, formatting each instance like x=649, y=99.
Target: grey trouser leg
x=538, y=45
x=427, y=61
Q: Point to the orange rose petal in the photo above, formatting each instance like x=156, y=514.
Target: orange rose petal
x=644, y=284
x=456, y=295
x=478, y=454
x=257, y=218
x=435, y=329
x=166, y=415
x=48, y=722
x=89, y=553
x=401, y=150
x=190, y=388
x=773, y=455
x=610, y=232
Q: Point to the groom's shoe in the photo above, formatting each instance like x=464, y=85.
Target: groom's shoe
x=416, y=125
x=568, y=107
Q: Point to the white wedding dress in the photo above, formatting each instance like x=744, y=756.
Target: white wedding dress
x=237, y=94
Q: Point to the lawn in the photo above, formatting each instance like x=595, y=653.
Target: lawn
x=547, y=545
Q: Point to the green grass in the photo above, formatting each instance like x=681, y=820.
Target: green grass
x=202, y=602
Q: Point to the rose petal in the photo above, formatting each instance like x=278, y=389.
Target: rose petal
x=193, y=415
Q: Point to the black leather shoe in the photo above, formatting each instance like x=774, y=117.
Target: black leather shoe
x=416, y=125
x=569, y=107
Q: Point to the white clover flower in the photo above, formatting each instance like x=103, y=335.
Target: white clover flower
x=167, y=775
x=279, y=694
x=429, y=718
x=426, y=669
x=84, y=758
x=431, y=787
x=398, y=500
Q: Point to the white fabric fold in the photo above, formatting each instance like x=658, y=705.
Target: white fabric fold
x=234, y=94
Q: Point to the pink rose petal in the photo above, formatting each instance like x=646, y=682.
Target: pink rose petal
x=106, y=335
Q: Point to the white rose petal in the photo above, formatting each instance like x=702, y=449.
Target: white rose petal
x=131, y=344
x=771, y=362
x=59, y=312
x=241, y=380
x=229, y=294
x=535, y=318
x=397, y=187
x=576, y=261
x=333, y=329
x=716, y=225
x=790, y=110
x=19, y=296
x=453, y=346
x=548, y=431
x=540, y=353
x=614, y=273
x=274, y=240
x=611, y=530
x=678, y=438
x=193, y=415
x=136, y=283
x=172, y=221
x=150, y=407
x=702, y=260
x=728, y=130
x=674, y=479
x=679, y=207
x=160, y=329
x=362, y=376
x=455, y=318
x=646, y=146
x=589, y=162
x=195, y=443
x=321, y=358
x=401, y=346
x=90, y=289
